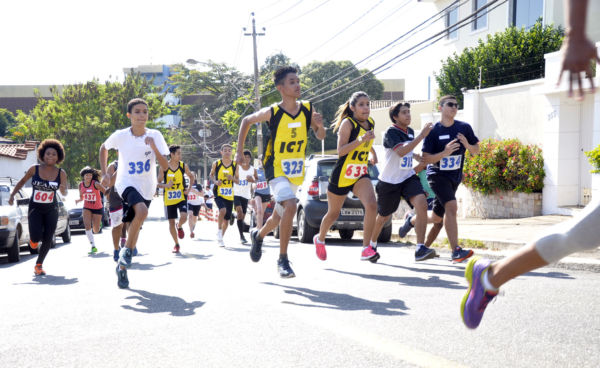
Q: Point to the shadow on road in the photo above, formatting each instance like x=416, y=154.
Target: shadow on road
x=50, y=280
x=156, y=303
x=432, y=281
x=147, y=266
x=193, y=256
x=99, y=255
x=330, y=300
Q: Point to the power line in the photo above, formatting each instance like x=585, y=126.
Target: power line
x=295, y=18
x=283, y=12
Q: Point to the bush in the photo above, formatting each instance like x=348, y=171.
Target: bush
x=505, y=165
x=594, y=159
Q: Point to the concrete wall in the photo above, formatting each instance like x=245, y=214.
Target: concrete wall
x=16, y=168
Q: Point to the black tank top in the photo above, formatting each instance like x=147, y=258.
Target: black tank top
x=114, y=199
x=43, y=192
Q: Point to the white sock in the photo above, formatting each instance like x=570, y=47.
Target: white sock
x=220, y=234
x=485, y=280
x=90, y=236
x=373, y=244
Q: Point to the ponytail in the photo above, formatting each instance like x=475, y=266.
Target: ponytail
x=344, y=110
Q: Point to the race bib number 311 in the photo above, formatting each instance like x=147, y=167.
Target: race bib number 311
x=292, y=168
x=450, y=163
x=41, y=196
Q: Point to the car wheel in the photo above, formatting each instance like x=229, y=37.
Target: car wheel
x=276, y=232
x=385, y=235
x=346, y=234
x=66, y=235
x=305, y=231
x=14, y=254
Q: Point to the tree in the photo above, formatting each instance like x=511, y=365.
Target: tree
x=84, y=115
x=512, y=56
x=7, y=120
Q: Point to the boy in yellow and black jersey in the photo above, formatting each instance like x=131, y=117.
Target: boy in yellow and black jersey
x=175, y=190
x=222, y=174
x=288, y=122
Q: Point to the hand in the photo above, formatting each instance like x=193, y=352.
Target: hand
x=420, y=167
x=369, y=135
x=417, y=157
x=427, y=128
x=250, y=178
x=187, y=191
x=77, y=201
x=230, y=177
x=239, y=157
x=150, y=141
x=170, y=183
x=11, y=199
x=452, y=146
x=373, y=160
x=219, y=183
x=317, y=119
x=577, y=55
x=463, y=139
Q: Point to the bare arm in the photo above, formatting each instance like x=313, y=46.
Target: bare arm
x=190, y=175
x=63, y=183
x=374, y=159
x=28, y=175
x=103, y=157
x=316, y=123
x=343, y=146
x=112, y=173
x=212, y=174
x=452, y=146
x=263, y=114
x=100, y=187
x=409, y=147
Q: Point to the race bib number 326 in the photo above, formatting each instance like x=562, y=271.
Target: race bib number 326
x=292, y=168
x=41, y=196
x=225, y=192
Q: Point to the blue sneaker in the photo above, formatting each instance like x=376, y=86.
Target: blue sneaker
x=116, y=255
x=135, y=252
x=256, y=248
x=460, y=255
x=125, y=257
x=424, y=253
x=122, y=279
x=477, y=297
x=405, y=228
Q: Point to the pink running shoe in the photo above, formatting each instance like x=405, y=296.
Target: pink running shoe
x=180, y=232
x=320, y=246
x=368, y=253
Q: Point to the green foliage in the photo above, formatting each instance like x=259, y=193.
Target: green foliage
x=594, y=159
x=7, y=120
x=84, y=115
x=505, y=165
x=511, y=56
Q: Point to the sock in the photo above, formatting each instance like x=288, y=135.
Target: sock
x=283, y=256
x=90, y=237
x=220, y=234
x=419, y=246
x=123, y=240
x=485, y=281
x=373, y=244
x=240, y=224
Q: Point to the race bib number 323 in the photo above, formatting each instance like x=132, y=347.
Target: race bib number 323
x=292, y=168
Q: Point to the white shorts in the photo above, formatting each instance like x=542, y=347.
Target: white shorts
x=116, y=217
x=282, y=189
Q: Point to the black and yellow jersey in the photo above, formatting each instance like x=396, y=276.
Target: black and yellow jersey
x=225, y=190
x=286, y=147
x=351, y=167
x=175, y=194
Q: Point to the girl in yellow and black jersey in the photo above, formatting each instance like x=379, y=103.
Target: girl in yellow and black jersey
x=351, y=173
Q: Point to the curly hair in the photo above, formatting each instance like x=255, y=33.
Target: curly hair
x=90, y=170
x=51, y=143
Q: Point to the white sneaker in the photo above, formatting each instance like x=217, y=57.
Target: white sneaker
x=221, y=243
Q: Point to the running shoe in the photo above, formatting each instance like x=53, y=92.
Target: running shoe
x=176, y=248
x=405, y=228
x=375, y=258
x=424, y=253
x=231, y=221
x=221, y=243
x=180, y=232
x=135, y=251
x=256, y=248
x=116, y=255
x=477, y=297
x=460, y=255
x=368, y=253
x=320, y=247
x=125, y=257
x=243, y=240
x=38, y=270
x=192, y=235
x=94, y=250
x=33, y=245
x=122, y=279
x=285, y=271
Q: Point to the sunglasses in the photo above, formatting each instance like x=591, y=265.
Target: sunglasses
x=451, y=105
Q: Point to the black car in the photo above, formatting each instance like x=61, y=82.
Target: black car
x=14, y=227
x=312, y=204
x=76, y=217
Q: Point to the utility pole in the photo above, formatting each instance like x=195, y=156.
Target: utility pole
x=259, y=137
x=204, y=132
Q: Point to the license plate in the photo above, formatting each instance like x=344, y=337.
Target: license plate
x=74, y=222
x=352, y=212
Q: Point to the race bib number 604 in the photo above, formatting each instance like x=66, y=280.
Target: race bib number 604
x=292, y=167
x=41, y=196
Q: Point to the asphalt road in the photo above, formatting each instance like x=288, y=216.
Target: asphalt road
x=213, y=307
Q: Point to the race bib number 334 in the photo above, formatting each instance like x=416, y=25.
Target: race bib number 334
x=450, y=163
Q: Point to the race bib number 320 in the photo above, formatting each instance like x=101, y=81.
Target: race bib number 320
x=292, y=168
x=173, y=194
x=41, y=196
x=450, y=163
x=355, y=171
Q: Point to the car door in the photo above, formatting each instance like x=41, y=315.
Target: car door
x=22, y=209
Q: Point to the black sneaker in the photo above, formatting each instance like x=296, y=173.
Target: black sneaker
x=256, y=248
x=243, y=240
x=405, y=228
x=231, y=221
x=460, y=255
x=125, y=257
x=285, y=271
x=122, y=279
x=424, y=253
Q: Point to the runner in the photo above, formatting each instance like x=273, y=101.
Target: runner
x=262, y=194
x=93, y=209
x=398, y=178
x=139, y=148
x=175, y=190
x=221, y=174
x=580, y=234
x=351, y=171
x=195, y=200
x=116, y=209
x=288, y=122
x=46, y=179
x=245, y=175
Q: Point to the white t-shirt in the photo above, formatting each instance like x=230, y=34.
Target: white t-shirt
x=243, y=189
x=194, y=198
x=137, y=161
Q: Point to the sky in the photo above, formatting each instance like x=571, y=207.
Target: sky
x=64, y=41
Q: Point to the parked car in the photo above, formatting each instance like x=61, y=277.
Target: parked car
x=76, y=214
x=14, y=227
x=312, y=203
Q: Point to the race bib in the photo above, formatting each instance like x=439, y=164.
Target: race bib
x=139, y=167
x=41, y=196
x=355, y=171
x=243, y=183
x=261, y=185
x=406, y=162
x=174, y=194
x=450, y=163
x=192, y=197
x=225, y=192
x=89, y=197
x=292, y=167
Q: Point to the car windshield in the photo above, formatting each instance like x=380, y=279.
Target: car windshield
x=326, y=168
x=4, y=195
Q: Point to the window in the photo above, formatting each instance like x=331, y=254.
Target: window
x=452, y=19
x=524, y=13
x=481, y=21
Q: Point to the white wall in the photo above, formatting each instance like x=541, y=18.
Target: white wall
x=16, y=168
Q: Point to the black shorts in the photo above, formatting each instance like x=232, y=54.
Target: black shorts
x=208, y=205
x=194, y=208
x=389, y=195
x=226, y=204
x=240, y=201
x=342, y=191
x=98, y=211
x=445, y=191
x=264, y=198
x=131, y=197
x=172, y=209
